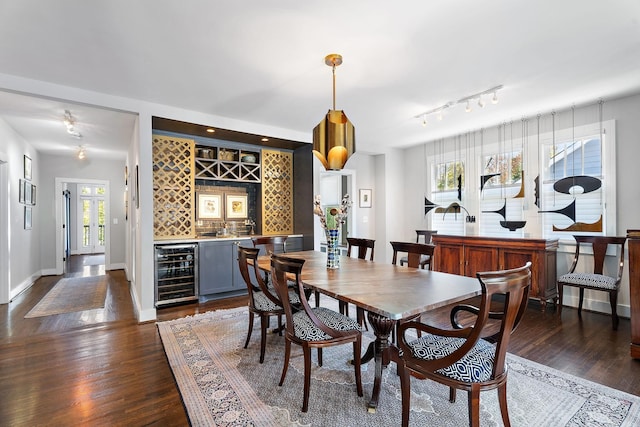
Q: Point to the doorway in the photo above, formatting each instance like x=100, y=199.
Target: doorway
x=89, y=223
x=82, y=219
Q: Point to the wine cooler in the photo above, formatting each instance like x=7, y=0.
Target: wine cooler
x=176, y=268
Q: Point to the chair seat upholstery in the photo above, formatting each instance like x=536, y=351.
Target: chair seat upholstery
x=596, y=281
x=305, y=329
x=475, y=366
x=263, y=303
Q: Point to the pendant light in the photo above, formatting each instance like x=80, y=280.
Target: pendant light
x=334, y=138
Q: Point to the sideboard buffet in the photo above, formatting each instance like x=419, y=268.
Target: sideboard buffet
x=468, y=255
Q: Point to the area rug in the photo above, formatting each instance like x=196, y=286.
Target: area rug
x=70, y=295
x=222, y=384
x=93, y=260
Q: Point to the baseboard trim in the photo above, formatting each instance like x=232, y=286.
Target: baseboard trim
x=26, y=284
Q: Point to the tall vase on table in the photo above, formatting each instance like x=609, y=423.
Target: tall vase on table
x=331, y=222
x=333, y=252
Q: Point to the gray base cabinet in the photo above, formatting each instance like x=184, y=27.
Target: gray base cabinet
x=219, y=274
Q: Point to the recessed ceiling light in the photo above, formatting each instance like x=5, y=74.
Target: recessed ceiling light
x=210, y=130
x=264, y=139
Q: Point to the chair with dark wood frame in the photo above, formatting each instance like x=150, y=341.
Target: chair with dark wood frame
x=309, y=326
x=595, y=281
x=364, y=246
x=270, y=244
x=263, y=301
x=471, y=355
x=415, y=254
x=426, y=235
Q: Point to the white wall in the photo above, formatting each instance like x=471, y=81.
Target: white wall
x=23, y=245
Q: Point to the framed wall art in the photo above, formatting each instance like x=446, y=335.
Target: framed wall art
x=209, y=206
x=21, y=183
x=237, y=206
x=365, y=198
x=27, y=168
x=27, y=217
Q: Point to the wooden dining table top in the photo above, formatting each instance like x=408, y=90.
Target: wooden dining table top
x=389, y=290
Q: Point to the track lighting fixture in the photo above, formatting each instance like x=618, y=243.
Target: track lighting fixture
x=466, y=100
x=82, y=154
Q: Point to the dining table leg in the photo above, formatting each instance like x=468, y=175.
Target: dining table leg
x=379, y=351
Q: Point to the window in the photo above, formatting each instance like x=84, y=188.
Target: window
x=577, y=183
x=448, y=179
x=501, y=195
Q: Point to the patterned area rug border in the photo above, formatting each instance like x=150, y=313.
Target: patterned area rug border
x=222, y=383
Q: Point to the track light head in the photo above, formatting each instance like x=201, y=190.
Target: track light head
x=494, y=100
x=468, y=107
x=480, y=102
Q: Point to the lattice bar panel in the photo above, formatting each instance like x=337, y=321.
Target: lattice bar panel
x=173, y=184
x=277, y=192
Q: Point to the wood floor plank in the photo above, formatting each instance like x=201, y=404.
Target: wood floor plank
x=91, y=368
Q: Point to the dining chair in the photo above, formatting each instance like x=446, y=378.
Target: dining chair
x=595, y=280
x=316, y=327
x=426, y=238
x=263, y=301
x=363, y=246
x=471, y=355
x=415, y=253
x=271, y=244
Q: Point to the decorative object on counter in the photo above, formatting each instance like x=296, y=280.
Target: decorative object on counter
x=250, y=223
x=331, y=223
x=334, y=139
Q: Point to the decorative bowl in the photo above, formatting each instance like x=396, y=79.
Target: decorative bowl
x=248, y=158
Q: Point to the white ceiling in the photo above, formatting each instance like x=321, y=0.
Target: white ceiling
x=263, y=62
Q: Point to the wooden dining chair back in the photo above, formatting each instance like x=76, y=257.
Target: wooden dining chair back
x=309, y=327
x=426, y=235
x=363, y=245
x=471, y=355
x=595, y=280
x=415, y=253
x=263, y=301
x=271, y=244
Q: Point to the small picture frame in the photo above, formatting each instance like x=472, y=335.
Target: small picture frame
x=27, y=193
x=237, y=206
x=27, y=168
x=21, y=184
x=33, y=195
x=209, y=206
x=365, y=198
x=27, y=217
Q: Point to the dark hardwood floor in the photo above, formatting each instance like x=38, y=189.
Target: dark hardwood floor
x=100, y=367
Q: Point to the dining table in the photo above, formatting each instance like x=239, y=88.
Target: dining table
x=388, y=293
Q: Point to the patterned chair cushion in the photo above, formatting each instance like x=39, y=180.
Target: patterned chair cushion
x=262, y=303
x=590, y=280
x=475, y=366
x=307, y=331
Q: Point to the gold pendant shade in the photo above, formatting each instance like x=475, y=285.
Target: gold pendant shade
x=334, y=139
